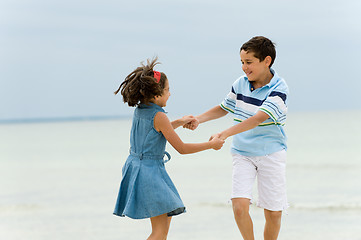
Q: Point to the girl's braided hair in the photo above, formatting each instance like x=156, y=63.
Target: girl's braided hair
x=140, y=86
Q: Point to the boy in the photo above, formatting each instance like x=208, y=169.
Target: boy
x=258, y=101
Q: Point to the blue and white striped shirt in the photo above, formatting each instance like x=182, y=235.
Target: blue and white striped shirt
x=269, y=136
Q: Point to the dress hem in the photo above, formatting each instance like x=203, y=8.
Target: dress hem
x=172, y=213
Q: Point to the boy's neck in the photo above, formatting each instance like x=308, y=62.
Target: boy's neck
x=264, y=81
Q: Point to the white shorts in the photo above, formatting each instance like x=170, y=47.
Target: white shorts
x=271, y=178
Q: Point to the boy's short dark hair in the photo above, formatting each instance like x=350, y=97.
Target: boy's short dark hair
x=261, y=47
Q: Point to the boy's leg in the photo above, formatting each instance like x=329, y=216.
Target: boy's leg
x=160, y=227
x=272, y=191
x=243, y=177
x=273, y=224
x=242, y=217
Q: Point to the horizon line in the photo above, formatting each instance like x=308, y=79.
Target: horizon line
x=62, y=119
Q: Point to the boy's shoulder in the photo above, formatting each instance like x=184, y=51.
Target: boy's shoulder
x=278, y=83
x=281, y=86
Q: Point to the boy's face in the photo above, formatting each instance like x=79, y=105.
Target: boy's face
x=255, y=70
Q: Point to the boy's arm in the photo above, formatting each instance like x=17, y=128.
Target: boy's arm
x=211, y=114
x=163, y=125
x=246, y=125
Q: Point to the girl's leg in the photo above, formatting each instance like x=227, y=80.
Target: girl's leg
x=169, y=220
x=242, y=217
x=160, y=227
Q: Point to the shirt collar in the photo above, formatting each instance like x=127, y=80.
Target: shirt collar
x=274, y=79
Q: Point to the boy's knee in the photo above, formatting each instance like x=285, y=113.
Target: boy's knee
x=240, y=207
x=273, y=216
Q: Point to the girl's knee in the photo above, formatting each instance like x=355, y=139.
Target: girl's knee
x=160, y=227
x=158, y=235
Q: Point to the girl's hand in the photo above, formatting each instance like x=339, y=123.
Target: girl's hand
x=192, y=125
x=216, y=142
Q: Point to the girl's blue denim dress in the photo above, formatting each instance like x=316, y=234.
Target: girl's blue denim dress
x=146, y=190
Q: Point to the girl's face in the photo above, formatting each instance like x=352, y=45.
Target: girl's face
x=162, y=100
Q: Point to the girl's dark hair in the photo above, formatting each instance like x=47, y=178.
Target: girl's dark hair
x=140, y=86
x=261, y=47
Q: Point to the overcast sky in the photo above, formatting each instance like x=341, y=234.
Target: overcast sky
x=65, y=58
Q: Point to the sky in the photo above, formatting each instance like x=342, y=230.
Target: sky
x=64, y=59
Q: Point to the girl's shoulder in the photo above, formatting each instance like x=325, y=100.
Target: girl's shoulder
x=148, y=110
x=160, y=119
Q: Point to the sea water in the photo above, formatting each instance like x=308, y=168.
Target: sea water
x=59, y=181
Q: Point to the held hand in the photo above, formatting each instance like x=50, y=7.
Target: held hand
x=221, y=135
x=214, y=136
x=217, y=143
x=187, y=119
x=192, y=125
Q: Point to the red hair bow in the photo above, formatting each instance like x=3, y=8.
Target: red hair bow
x=157, y=76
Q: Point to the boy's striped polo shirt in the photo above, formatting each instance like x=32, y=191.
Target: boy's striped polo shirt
x=269, y=136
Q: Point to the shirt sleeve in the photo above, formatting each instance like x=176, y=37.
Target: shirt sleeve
x=229, y=102
x=275, y=106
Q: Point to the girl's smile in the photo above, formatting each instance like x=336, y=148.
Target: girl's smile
x=162, y=100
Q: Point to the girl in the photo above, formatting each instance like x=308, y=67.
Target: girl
x=146, y=191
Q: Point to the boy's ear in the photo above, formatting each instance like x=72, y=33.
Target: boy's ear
x=268, y=60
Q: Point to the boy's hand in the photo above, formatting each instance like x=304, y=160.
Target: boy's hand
x=217, y=143
x=192, y=125
x=218, y=135
x=187, y=119
x=214, y=136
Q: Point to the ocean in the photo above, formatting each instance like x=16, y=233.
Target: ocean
x=59, y=181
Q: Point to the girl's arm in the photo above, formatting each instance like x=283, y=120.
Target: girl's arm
x=246, y=125
x=162, y=124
